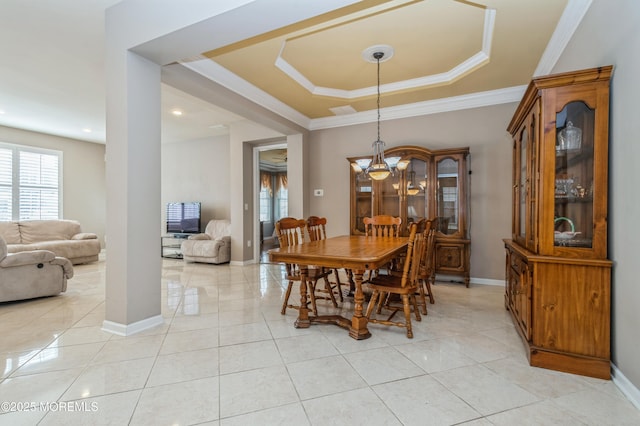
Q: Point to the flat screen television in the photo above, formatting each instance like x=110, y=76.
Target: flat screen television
x=183, y=218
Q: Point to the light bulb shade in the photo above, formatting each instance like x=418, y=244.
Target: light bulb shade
x=379, y=171
x=403, y=164
x=392, y=161
x=413, y=190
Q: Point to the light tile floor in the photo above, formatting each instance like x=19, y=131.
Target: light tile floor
x=225, y=356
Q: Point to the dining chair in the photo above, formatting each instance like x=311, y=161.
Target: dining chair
x=426, y=274
x=425, y=271
x=405, y=286
x=316, y=227
x=382, y=226
x=291, y=232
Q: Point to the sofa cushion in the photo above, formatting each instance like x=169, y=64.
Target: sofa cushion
x=34, y=231
x=10, y=231
x=71, y=249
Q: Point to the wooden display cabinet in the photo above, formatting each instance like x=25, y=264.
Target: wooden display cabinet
x=433, y=185
x=558, y=277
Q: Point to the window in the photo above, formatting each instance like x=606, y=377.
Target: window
x=265, y=197
x=30, y=183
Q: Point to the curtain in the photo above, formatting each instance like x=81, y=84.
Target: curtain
x=281, y=181
x=265, y=182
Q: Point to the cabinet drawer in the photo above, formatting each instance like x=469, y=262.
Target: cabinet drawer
x=450, y=257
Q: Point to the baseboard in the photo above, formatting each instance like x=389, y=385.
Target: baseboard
x=626, y=387
x=129, y=329
x=242, y=262
x=482, y=281
x=487, y=281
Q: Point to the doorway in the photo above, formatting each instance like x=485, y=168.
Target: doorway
x=272, y=195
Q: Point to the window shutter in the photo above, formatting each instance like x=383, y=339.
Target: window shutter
x=6, y=178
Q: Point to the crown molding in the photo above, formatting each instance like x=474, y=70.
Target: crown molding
x=465, y=67
x=219, y=74
x=473, y=100
x=567, y=25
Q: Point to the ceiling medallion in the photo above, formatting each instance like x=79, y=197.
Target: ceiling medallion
x=369, y=53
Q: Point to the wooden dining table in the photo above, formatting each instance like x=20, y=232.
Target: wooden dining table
x=357, y=253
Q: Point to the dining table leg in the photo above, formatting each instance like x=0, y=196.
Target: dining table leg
x=358, y=328
x=303, y=313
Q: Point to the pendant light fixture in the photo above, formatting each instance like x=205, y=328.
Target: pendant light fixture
x=412, y=189
x=378, y=169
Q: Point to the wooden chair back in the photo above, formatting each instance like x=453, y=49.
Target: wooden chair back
x=382, y=226
x=290, y=231
x=414, y=257
x=316, y=227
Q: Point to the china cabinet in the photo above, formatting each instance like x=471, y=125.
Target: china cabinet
x=557, y=272
x=432, y=184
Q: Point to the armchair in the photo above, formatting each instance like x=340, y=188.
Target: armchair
x=31, y=274
x=212, y=246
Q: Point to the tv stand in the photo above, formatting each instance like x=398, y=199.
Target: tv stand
x=170, y=245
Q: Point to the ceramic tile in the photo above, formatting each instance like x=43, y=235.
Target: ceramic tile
x=60, y=358
x=248, y=391
x=249, y=356
x=357, y=407
x=244, y=333
x=226, y=356
x=114, y=409
x=435, y=355
x=541, y=413
x=383, y=365
x=305, y=347
x=128, y=348
x=193, y=322
x=190, y=340
x=598, y=408
x=80, y=335
x=102, y=379
x=187, y=403
x=184, y=366
x=286, y=415
x=483, y=390
x=324, y=376
x=419, y=398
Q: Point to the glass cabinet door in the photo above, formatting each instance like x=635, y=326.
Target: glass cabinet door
x=447, y=196
x=363, y=200
x=522, y=185
x=388, y=198
x=416, y=191
x=574, y=176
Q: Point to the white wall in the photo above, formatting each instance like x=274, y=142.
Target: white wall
x=609, y=35
x=83, y=180
x=483, y=130
x=197, y=171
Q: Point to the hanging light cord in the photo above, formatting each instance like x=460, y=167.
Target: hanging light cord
x=378, y=55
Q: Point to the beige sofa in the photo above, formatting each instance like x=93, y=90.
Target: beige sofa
x=212, y=246
x=30, y=274
x=62, y=237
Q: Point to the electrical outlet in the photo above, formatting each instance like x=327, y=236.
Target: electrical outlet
x=248, y=243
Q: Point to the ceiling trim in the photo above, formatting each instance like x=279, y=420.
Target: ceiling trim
x=567, y=25
x=465, y=67
x=219, y=74
x=455, y=103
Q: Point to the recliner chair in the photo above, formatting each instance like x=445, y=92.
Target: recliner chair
x=30, y=274
x=212, y=246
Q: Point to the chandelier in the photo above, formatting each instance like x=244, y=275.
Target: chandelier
x=378, y=169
